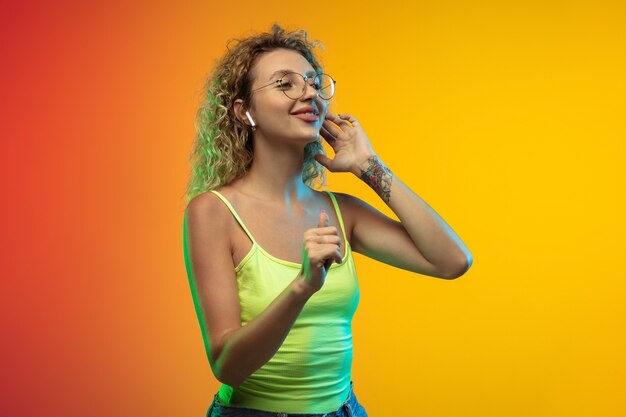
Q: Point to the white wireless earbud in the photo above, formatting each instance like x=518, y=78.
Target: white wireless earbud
x=251, y=120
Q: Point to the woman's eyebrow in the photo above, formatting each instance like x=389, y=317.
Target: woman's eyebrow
x=285, y=71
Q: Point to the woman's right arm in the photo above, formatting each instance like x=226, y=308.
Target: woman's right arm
x=234, y=351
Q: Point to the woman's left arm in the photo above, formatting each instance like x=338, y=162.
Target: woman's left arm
x=421, y=241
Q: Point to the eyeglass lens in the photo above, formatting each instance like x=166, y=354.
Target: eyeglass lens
x=293, y=85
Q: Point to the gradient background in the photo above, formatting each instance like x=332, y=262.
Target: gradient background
x=508, y=118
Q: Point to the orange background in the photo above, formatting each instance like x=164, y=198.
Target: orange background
x=506, y=117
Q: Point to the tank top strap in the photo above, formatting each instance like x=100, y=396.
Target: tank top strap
x=235, y=215
x=343, y=228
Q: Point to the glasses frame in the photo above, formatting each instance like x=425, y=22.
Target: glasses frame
x=306, y=78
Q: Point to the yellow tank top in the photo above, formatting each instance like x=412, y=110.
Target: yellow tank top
x=311, y=371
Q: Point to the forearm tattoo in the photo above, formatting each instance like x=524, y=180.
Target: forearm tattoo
x=379, y=177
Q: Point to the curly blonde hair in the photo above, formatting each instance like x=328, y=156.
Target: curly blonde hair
x=222, y=149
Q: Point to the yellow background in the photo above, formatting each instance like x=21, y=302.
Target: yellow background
x=506, y=117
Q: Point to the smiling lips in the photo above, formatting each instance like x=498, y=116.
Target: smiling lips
x=308, y=114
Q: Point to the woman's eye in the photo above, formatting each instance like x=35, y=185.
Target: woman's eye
x=285, y=85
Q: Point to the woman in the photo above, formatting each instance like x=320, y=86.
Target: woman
x=269, y=258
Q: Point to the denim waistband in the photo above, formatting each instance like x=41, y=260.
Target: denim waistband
x=346, y=409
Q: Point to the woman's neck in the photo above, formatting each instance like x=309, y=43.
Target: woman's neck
x=277, y=176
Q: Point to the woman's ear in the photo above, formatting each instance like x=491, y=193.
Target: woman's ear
x=240, y=111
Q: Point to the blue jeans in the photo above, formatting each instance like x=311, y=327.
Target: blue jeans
x=350, y=408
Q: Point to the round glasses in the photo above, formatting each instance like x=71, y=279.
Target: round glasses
x=294, y=84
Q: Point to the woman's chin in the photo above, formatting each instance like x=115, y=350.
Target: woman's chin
x=314, y=132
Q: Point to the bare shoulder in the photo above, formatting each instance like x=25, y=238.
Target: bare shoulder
x=208, y=213
x=207, y=205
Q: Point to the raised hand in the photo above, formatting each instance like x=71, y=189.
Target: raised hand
x=349, y=142
x=320, y=248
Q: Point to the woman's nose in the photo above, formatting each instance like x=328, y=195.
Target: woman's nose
x=310, y=91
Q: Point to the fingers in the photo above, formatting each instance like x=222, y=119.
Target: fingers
x=327, y=254
x=323, y=234
x=324, y=239
x=335, y=256
x=351, y=119
x=323, y=242
x=334, y=125
x=322, y=253
x=334, y=118
x=342, y=119
x=321, y=231
x=330, y=129
x=328, y=136
x=323, y=219
x=325, y=161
